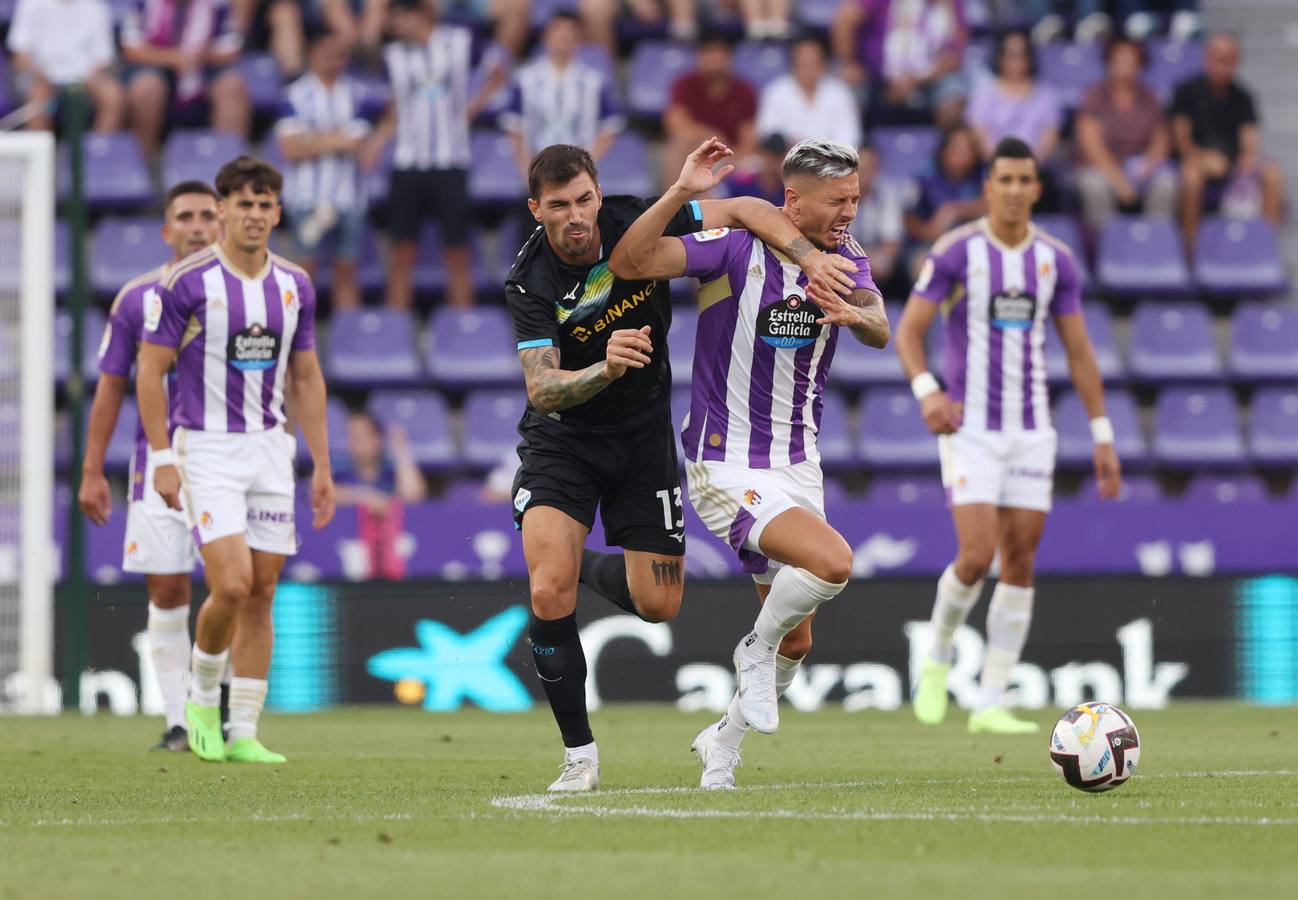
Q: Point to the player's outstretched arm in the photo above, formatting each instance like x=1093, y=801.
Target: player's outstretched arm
x=551, y=389
x=151, y=368
x=1085, y=373
x=309, y=391
x=940, y=414
x=862, y=312
x=94, y=497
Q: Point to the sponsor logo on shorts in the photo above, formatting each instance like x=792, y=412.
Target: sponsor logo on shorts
x=132, y=549
x=752, y=498
x=277, y=516
x=1026, y=472
x=522, y=498
x=205, y=520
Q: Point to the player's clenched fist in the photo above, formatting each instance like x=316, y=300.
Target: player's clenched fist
x=167, y=482
x=628, y=348
x=940, y=414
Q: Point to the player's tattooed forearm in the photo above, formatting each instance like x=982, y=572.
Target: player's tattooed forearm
x=873, y=329
x=551, y=388
x=666, y=572
x=864, y=299
x=798, y=248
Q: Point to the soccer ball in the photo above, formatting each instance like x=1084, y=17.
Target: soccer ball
x=1095, y=747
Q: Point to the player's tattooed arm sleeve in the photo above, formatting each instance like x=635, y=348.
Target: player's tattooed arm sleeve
x=873, y=330
x=550, y=388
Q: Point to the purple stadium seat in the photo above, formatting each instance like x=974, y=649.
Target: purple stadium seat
x=626, y=169
x=370, y=274
x=198, y=153
x=654, y=66
x=907, y=489
x=1198, y=428
x=816, y=14
x=1238, y=256
x=122, y=249
x=62, y=257
x=542, y=10
x=1170, y=63
x=427, y=425
x=1226, y=488
x=262, y=75
x=494, y=178
x=115, y=174
x=336, y=417
x=1264, y=342
x=372, y=348
x=491, y=426
x=760, y=62
x=1066, y=229
x=837, y=450
x=375, y=181
x=430, y=272
x=92, y=332
x=1173, y=342
x=892, y=432
x=905, y=153
x=1273, y=426
x=1073, y=426
x=1142, y=256
x=858, y=366
x=1135, y=489
x=1070, y=69
x=1099, y=327
x=7, y=102
x=117, y=457
x=680, y=344
x=472, y=348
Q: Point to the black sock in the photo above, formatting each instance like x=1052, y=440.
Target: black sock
x=561, y=665
x=605, y=574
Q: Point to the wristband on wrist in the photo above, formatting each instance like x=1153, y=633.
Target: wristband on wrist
x=1102, y=430
x=163, y=457
x=924, y=384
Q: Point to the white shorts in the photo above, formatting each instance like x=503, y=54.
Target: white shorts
x=158, y=541
x=239, y=483
x=737, y=503
x=1002, y=468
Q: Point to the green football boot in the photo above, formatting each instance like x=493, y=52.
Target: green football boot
x=250, y=750
x=203, y=724
x=999, y=720
x=930, y=697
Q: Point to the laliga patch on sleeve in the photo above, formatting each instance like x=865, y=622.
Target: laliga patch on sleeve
x=152, y=310
x=106, y=340
x=711, y=234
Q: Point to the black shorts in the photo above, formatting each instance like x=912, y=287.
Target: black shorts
x=438, y=194
x=632, y=478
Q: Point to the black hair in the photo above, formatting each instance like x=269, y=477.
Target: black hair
x=1002, y=42
x=1010, y=148
x=245, y=171
x=557, y=165
x=1121, y=40
x=182, y=188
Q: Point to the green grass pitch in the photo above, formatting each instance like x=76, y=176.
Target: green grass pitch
x=393, y=802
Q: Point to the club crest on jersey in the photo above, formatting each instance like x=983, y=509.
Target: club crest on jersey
x=1013, y=309
x=789, y=324
x=290, y=298
x=255, y=348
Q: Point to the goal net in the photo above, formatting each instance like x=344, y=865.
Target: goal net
x=26, y=423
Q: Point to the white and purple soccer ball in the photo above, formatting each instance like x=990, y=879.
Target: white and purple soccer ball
x=1095, y=747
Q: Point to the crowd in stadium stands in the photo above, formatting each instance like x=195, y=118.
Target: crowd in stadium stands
x=405, y=126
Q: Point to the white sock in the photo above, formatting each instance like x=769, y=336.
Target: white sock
x=954, y=601
x=733, y=726
x=168, y=631
x=227, y=674
x=1008, y=618
x=205, y=676
x=795, y=594
x=247, y=697
x=585, y=751
x=785, y=671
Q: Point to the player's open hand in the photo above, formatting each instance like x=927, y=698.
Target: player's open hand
x=828, y=274
x=837, y=311
x=628, y=348
x=1108, y=471
x=940, y=414
x=166, y=481
x=94, y=498
x=322, y=498
x=696, y=175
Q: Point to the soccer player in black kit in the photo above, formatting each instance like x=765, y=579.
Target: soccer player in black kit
x=598, y=429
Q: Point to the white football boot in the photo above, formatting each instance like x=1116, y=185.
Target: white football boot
x=755, y=683
x=719, y=761
x=580, y=773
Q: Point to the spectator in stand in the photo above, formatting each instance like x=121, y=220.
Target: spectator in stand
x=763, y=19
x=1122, y=142
x=429, y=66
x=1014, y=103
x=182, y=51
x=61, y=42
x=909, y=53
x=1216, y=133
x=878, y=226
x=380, y=485
x=808, y=102
x=366, y=19
x=762, y=175
x=950, y=196
x=558, y=99
x=321, y=133
x=275, y=25
x=709, y=102
x=601, y=18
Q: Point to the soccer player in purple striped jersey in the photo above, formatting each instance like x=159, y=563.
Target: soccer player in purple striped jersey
x=157, y=540
x=765, y=344
x=238, y=322
x=996, y=281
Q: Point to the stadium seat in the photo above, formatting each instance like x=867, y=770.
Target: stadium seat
x=1135, y=489
x=1173, y=342
x=116, y=176
x=121, y=446
x=1197, y=427
x=62, y=255
x=1238, y=256
x=626, y=168
x=430, y=271
x=371, y=276
x=760, y=62
x=1142, y=256
x=1076, y=447
x=262, y=75
x=653, y=68
x=817, y=14
x=494, y=179
x=1066, y=229
x=1099, y=327
x=336, y=417
x=122, y=249
x=1171, y=62
x=374, y=182
x=905, y=153
x=198, y=153
x=542, y=10
x=426, y=422
x=372, y=348
x=1241, y=487
x=1264, y=342
x=858, y=366
x=6, y=96
x=472, y=348
x=1069, y=69
x=837, y=450
x=680, y=344
x=92, y=332
x=911, y=490
x=892, y=432
x=491, y=425
x=1273, y=426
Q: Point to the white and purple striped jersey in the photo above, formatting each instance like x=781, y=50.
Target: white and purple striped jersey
x=234, y=335
x=572, y=105
x=312, y=107
x=760, y=361
x=996, y=300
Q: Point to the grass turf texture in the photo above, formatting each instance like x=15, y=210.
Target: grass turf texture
x=392, y=802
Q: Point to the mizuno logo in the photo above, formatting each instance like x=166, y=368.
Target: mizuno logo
x=572, y=294
x=678, y=536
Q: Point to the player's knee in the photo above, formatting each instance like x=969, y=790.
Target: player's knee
x=551, y=601
x=832, y=563
x=796, y=644
x=169, y=593
x=974, y=562
x=659, y=605
x=233, y=585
